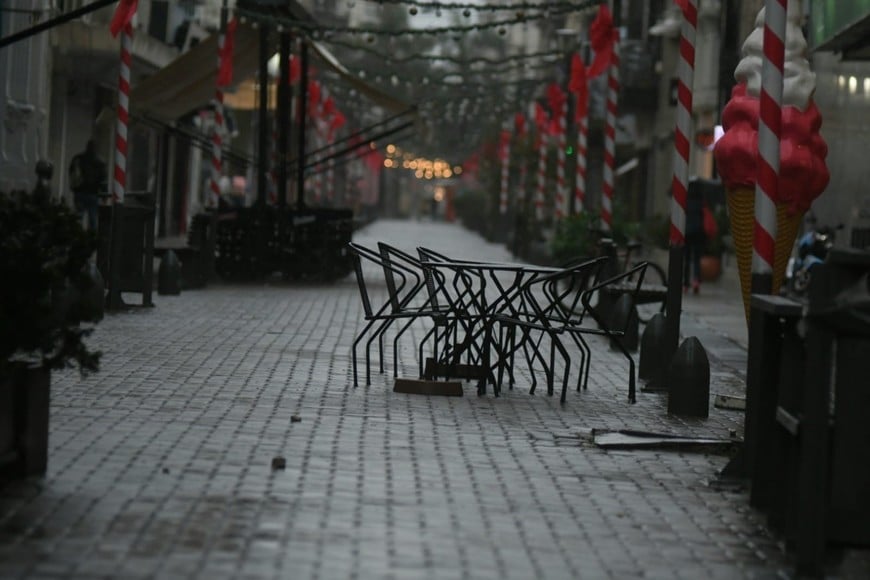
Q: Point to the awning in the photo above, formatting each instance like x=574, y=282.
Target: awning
x=376, y=95
x=853, y=41
x=842, y=27
x=188, y=82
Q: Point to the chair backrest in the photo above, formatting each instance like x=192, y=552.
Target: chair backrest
x=356, y=253
x=632, y=279
x=563, y=290
x=393, y=259
x=463, y=298
x=392, y=273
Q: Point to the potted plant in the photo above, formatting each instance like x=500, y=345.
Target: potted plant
x=49, y=293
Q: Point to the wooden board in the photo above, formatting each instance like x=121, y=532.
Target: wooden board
x=422, y=387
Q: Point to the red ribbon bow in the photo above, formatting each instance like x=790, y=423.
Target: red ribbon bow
x=578, y=86
x=556, y=98
x=602, y=36
x=541, y=120
x=225, y=71
x=520, y=124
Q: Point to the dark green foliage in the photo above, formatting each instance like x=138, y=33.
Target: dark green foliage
x=577, y=235
x=472, y=208
x=43, y=254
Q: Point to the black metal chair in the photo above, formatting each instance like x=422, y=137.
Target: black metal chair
x=404, y=301
x=574, y=320
x=539, y=309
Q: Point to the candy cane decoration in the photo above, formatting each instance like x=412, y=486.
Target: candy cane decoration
x=582, y=148
x=680, y=182
x=120, y=173
x=561, y=144
x=505, y=155
x=218, y=130
x=769, y=127
x=610, y=139
x=542, y=173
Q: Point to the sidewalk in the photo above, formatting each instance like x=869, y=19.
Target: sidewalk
x=160, y=464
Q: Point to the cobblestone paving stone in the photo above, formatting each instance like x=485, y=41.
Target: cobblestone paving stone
x=160, y=464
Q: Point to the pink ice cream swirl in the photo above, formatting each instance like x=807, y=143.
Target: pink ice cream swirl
x=803, y=174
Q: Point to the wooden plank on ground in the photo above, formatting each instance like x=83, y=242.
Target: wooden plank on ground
x=423, y=387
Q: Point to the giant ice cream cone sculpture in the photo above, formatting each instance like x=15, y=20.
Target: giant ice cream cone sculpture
x=803, y=174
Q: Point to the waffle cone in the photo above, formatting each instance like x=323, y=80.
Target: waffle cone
x=741, y=212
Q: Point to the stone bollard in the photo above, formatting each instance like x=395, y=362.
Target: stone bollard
x=624, y=316
x=169, y=274
x=689, y=380
x=651, y=363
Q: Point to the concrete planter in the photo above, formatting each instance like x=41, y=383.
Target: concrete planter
x=24, y=412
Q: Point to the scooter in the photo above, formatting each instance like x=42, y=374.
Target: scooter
x=811, y=250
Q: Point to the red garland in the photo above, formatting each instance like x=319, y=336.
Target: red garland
x=602, y=36
x=225, y=71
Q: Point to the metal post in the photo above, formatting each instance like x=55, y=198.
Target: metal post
x=680, y=182
x=283, y=117
x=263, y=118
x=303, y=113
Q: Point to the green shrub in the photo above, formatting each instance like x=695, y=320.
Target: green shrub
x=43, y=254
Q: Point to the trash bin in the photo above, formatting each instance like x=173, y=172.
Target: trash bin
x=125, y=250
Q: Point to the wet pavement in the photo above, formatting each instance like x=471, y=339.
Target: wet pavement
x=160, y=465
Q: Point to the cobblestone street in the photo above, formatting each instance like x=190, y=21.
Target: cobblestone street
x=160, y=464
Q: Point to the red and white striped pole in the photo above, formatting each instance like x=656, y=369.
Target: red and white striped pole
x=505, y=154
x=561, y=144
x=218, y=130
x=769, y=129
x=542, y=173
x=582, y=148
x=119, y=185
x=680, y=181
x=683, y=131
x=610, y=139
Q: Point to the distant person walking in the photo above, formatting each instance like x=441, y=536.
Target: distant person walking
x=695, y=240
x=87, y=176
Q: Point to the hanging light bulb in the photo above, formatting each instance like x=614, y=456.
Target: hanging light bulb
x=413, y=11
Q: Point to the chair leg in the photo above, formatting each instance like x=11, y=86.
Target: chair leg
x=565, y=378
x=551, y=376
x=356, y=342
x=396, y=346
x=530, y=361
x=422, y=360
x=632, y=398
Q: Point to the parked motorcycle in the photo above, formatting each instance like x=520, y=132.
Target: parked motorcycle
x=811, y=250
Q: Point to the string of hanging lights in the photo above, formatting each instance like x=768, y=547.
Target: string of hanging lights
x=321, y=31
x=471, y=61
x=487, y=7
